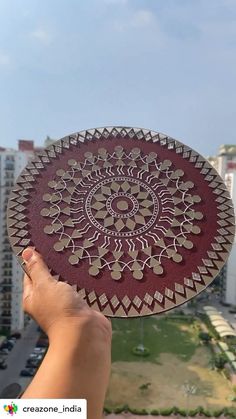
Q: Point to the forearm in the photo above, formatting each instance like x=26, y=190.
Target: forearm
x=77, y=365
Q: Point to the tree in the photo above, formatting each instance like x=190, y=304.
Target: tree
x=220, y=360
x=205, y=337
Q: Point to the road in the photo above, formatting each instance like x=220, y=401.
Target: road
x=16, y=359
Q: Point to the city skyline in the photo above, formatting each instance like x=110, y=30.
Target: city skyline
x=166, y=66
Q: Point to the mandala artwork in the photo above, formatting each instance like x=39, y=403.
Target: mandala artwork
x=136, y=221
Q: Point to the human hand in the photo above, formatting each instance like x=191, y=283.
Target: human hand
x=78, y=361
x=54, y=304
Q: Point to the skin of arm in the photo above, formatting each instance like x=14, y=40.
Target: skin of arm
x=78, y=361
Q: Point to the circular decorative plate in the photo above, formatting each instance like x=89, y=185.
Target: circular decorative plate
x=138, y=222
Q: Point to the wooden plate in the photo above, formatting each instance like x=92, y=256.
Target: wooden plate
x=138, y=222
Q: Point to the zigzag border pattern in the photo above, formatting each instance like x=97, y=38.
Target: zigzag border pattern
x=206, y=272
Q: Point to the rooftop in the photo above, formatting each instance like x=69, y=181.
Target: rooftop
x=227, y=149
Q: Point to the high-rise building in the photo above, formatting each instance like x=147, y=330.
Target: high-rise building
x=225, y=164
x=12, y=162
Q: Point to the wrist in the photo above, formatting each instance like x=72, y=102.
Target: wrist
x=71, y=330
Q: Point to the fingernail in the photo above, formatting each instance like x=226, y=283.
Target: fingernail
x=27, y=254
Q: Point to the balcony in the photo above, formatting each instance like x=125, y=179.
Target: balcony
x=5, y=323
x=8, y=190
x=6, y=314
x=9, y=176
x=7, y=265
x=5, y=296
x=6, y=288
x=7, y=273
x=9, y=183
x=9, y=166
x=5, y=305
x=6, y=281
x=7, y=249
x=9, y=159
x=7, y=257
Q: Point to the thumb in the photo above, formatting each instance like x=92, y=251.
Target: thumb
x=36, y=269
x=27, y=287
x=27, y=293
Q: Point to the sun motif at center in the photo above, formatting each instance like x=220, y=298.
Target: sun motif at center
x=122, y=206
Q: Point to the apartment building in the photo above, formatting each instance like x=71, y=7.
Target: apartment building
x=12, y=163
x=225, y=164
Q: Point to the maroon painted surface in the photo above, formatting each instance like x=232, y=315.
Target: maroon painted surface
x=173, y=272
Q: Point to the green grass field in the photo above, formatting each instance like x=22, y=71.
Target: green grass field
x=176, y=357
x=164, y=335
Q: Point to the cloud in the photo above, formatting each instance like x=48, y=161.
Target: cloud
x=4, y=59
x=42, y=36
x=139, y=19
x=142, y=18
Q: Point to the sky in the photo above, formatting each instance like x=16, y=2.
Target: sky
x=165, y=65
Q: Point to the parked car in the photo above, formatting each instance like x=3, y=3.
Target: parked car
x=36, y=356
x=28, y=372
x=33, y=363
x=7, y=345
x=42, y=343
x=3, y=364
x=16, y=335
x=39, y=350
x=4, y=351
x=12, y=341
x=224, y=304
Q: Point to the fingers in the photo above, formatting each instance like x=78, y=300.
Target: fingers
x=35, y=266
